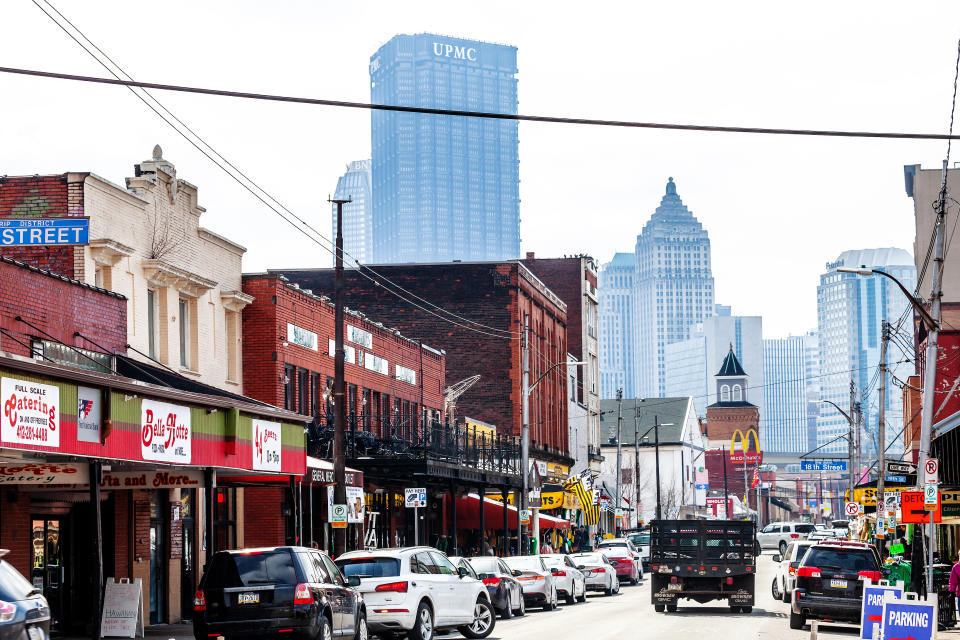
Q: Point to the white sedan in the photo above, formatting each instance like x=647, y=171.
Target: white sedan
x=571, y=585
x=598, y=572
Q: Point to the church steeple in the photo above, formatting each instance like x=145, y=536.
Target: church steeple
x=731, y=381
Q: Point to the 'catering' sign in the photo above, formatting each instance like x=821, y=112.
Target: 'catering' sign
x=164, y=432
x=266, y=445
x=31, y=413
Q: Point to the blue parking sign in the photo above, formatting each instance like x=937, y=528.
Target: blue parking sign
x=909, y=620
x=871, y=612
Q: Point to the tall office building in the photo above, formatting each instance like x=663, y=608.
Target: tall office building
x=673, y=287
x=811, y=350
x=617, y=352
x=444, y=187
x=784, y=422
x=357, y=224
x=850, y=309
x=690, y=365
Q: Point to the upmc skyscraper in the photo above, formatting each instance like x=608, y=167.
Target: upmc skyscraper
x=444, y=187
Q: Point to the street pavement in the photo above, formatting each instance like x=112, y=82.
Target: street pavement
x=631, y=614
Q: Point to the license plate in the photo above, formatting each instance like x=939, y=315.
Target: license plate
x=35, y=633
x=249, y=598
x=838, y=584
x=674, y=587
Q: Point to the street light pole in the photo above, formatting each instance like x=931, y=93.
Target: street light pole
x=656, y=440
x=339, y=402
x=619, y=502
x=850, y=443
x=636, y=464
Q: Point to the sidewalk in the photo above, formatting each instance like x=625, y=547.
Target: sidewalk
x=157, y=631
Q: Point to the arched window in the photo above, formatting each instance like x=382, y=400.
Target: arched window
x=725, y=393
x=737, y=393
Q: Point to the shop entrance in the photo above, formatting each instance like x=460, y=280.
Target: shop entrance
x=158, y=559
x=47, y=571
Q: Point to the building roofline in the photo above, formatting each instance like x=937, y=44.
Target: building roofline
x=57, y=276
x=226, y=243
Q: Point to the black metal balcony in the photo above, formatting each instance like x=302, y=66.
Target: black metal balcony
x=371, y=437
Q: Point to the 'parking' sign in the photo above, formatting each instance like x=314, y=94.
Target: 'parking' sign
x=871, y=611
x=909, y=619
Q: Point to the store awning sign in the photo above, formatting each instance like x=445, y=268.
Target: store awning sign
x=159, y=479
x=266, y=445
x=89, y=402
x=31, y=413
x=42, y=474
x=165, y=433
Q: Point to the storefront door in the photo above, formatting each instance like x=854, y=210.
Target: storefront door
x=158, y=560
x=188, y=577
x=47, y=567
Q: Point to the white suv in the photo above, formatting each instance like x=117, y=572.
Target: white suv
x=417, y=590
x=777, y=535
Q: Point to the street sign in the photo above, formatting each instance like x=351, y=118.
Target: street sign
x=931, y=469
x=525, y=516
x=338, y=516
x=851, y=509
x=415, y=498
x=871, y=610
x=881, y=525
x=896, y=478
x=823, y=465
x=891, y=501
x=930, y=497
x=913, y=619
x=903, y=468
x=33, y=232
x=912, y=510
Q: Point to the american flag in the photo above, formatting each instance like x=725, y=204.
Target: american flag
x=84, y=408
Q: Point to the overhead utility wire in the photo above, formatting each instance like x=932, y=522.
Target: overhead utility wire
x=481, y=114
x=508, y=334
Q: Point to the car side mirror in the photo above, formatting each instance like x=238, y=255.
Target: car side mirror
x=463, y=572
x=516, y=573
x=353, y=581
x=776, y=557
x=581, y=567
x=553, y=571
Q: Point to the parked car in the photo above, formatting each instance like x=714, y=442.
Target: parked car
x=624, y=557
x=24, y=612
x=785, y=578
x=598, y=573
x=840, y=528
x=276, y=591
x=829, y=582
x=505, y=590
x=417, y=591
x=822, y=532
x=641, y=541
x=539, y=588
x=777, y=535
x=571, y=585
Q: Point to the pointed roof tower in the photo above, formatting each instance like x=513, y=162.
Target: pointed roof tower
x=731, y=380
x=731, y=366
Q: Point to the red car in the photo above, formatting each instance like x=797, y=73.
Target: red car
x=624, y=557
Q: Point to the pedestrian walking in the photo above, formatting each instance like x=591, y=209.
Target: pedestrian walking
x=546, y=548
x=954, y=584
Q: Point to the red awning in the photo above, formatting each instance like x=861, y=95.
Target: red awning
x=468, y=514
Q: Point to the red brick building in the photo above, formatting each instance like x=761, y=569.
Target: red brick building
x=288, y=359
x=488, y=302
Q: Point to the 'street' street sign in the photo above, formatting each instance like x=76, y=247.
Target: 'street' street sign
x=905, y=468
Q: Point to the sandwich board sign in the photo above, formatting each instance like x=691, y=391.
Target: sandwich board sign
x=122, y=609
x=871, y=610
x=909, y=617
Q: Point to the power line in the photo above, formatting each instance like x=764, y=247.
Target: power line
x=481, y=114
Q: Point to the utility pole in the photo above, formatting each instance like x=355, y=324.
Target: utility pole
x=656, y=441
x=726, y=494
x=636, y=463
x=339, y=397
x=932, y=355
x=881, y=425
x=851, y=442
x=525, y=437
x=619, y=504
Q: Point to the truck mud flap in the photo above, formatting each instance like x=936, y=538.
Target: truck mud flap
x=664, y=597
x=741, y=597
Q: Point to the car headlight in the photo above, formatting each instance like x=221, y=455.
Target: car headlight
x=7, y=611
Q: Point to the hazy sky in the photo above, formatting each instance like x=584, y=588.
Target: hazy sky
x=776, y=208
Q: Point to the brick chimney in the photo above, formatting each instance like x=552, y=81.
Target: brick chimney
x=530, y=255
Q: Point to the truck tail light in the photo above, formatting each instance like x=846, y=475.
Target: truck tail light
x=199, y=601
x=302, y=595
x=673, y=580
x=398, y=587
x=794, y=536
x=808, y=572
x=729, y=580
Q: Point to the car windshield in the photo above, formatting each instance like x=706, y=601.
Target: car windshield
x=588, y=558
x=640, y=539
x=228, y=570
x=527, y=563
x=13, y=586
x=369, y=567
x=845, y=559
x=553, y=561
x=484, y=564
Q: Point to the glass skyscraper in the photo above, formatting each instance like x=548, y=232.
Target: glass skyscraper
x=444, y=187
x=850, y=309
x=357, y=225
x=617, y=356
x=789, y=382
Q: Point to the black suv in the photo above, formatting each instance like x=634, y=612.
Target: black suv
x=293, y=591
x=830, y=582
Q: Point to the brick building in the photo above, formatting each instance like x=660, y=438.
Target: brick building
x=60, y=344
x=491, y=301
x=181, y=281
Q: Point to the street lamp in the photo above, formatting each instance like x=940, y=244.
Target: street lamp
x=525, y=430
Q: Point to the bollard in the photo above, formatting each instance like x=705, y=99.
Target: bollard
x=813, y=629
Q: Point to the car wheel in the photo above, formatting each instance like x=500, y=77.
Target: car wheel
x=570, y=598
x=522, y=611
x=422, y=624
x=746, y=609
x=783, y=548
x=608, y=591
x=797, y=621
x=672, y=608
x=484, y=619
x=362, y=633
x=658, y=608
x=775, y=590
x=507, y=612
x=583, y=593
x=787, y=597
x=634, y=581
x=551, y=603
x=325, y=632
x=734, y=608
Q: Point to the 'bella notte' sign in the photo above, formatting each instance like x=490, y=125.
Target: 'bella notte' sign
x=165, y=433
x=31, y=413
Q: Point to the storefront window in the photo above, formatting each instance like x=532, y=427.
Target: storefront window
x=225, y=517
x=303, y=391
x=289, y=383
